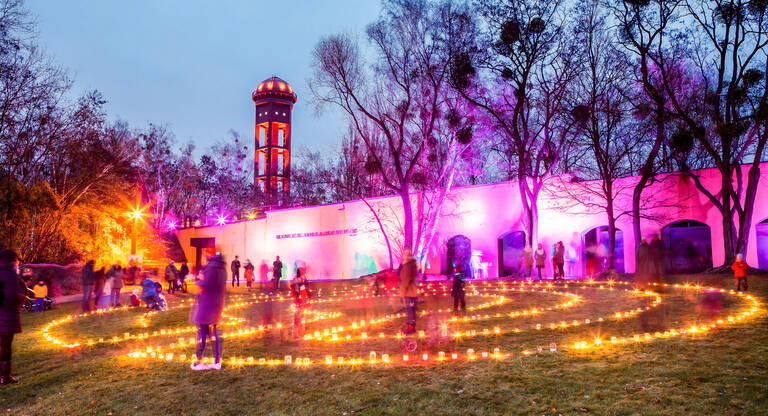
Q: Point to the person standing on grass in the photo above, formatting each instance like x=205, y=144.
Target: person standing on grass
x=12, y=296
x=457, y=289
x=41, y=291
x=541, y=258
x=527, y=261
x=739, y=268
x=558, y=259
x=99, y=279
x=88, y=278
x=249, y=275
x=207, y=311
x=183, y=272
x=170, y=275
x=277, y=272
x=116, y=285
x=235, y=267
x=658, y=257
x=409, y=290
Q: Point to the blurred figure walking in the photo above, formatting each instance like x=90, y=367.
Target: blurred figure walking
x=87, y=281
x=277, y=272
x=409, y=290
x=207, y=311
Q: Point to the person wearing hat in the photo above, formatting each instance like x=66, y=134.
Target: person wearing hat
x=12, y=296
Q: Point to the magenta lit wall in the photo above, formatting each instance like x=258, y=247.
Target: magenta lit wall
x=342, y=241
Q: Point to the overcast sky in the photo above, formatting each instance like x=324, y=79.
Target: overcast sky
x=192, y=65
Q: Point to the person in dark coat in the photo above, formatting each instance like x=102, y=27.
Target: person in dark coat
x=558, y=259
x=643, y=263
x=99, y=279
x=277, y=272
x=207, y=311
x=88, y=280
x=457, y=289
x=235, y=268
x=658, y=256
x=12, y=296
x=183, y=272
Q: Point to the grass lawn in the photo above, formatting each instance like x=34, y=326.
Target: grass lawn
x=721, y=372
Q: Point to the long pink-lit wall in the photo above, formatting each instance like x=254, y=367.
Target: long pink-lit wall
x=342, y=241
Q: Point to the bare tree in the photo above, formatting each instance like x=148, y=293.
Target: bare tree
x=394, y=102
x=521, y=83
x=727, y=41
x=607, y=138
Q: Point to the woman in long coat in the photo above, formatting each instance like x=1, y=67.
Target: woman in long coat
x=207, y=310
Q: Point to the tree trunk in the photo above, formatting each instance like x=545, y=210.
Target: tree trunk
x=530, y=211
x=645, y=176
x=727, y=217
x=611, y=230
x=745, y=222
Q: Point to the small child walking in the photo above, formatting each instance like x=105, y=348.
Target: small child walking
x=41, y=291
x=740, y=272
x=457, y=289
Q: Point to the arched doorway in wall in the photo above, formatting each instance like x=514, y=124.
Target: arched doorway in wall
x=762, y=244
x=458, y=251
x=689, y=247
x=595, y=251
x=510, y=248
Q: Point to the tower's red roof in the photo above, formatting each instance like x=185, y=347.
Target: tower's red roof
x=274, y=87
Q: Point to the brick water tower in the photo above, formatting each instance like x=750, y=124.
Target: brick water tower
x=274, y=100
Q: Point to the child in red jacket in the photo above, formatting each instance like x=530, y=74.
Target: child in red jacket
x=740, y=272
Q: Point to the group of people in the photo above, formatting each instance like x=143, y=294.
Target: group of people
x=103, y=286
x=250, y=275
x=539, y=259
x=175, y=278
x=650, y=259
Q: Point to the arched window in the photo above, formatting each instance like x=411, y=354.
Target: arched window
x=689, y=247
x=510, y=246
x=595, y=251
x=458, y=251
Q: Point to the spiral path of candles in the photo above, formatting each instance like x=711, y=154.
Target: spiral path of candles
x=351, y=326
